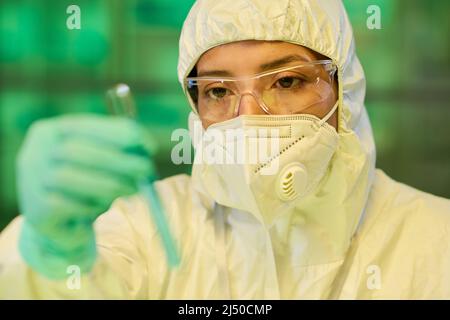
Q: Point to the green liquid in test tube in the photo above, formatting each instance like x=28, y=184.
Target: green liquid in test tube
x=121, y=103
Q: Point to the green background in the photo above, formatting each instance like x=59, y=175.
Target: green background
x=47, y=70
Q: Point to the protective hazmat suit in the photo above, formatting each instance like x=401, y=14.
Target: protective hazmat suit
x=357, y=235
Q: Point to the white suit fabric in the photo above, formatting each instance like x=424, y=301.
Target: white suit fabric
x=361, y=235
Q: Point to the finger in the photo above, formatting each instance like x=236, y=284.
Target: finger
x=86, y=153
x=58, y=209
x=69, y=222
x=118, y=131
x=91, y=186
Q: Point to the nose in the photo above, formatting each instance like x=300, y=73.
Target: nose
x=248, y=105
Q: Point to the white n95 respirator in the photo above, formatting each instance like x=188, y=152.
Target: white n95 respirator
x=263, y=164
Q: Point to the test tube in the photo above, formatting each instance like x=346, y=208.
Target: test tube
x=120, y=102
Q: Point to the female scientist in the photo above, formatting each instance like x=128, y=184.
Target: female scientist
x=324, y=224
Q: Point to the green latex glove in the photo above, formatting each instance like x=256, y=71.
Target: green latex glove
x=70, y=169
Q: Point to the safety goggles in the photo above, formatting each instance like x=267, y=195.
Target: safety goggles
x=283, y=91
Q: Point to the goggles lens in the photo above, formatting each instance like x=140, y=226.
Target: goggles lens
x=285, y=91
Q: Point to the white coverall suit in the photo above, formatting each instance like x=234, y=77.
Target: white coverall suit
x=360, y=236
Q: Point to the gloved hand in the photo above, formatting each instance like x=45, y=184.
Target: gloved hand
x=70, y=169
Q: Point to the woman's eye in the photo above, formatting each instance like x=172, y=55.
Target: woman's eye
x=288, y=83
x=217, y=93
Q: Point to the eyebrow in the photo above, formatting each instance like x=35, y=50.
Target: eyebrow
x=282, y=61
x=264, y=67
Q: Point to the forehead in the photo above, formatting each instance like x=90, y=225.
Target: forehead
x=248, y=56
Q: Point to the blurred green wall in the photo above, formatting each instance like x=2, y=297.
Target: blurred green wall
x=407, y=65
x=46, y=70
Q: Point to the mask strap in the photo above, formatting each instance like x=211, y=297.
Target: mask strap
x=329, y=114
